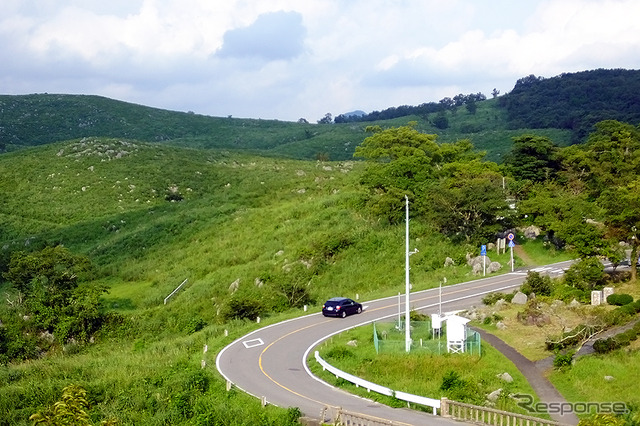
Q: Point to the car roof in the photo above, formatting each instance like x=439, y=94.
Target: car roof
x=337, y=299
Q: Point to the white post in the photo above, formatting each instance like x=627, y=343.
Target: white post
x=399, y=311
x=511, y=259
x=407, y=332
x=484, y=266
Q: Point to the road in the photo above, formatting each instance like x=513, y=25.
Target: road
x=270, y=362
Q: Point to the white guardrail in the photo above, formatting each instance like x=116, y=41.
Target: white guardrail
x=421, y=400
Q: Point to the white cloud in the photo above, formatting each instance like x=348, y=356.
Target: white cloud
x=288, y=59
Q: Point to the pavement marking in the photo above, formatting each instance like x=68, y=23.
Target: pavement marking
x=253, y=343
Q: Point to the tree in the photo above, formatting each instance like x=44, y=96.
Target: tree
x=610, y=158
x=622, y=216
x=532, y=158
x=471, y=207
x=384, y=146
x=70, y=410
x=471, y=106
x=48, y=281
x=327, y=119
x=441, y=121
x=53, y=270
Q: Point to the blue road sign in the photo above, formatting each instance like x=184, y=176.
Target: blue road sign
x=511, y=236
x=483, y=250
x=512, y=244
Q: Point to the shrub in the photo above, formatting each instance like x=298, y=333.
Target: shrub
x=586, y=274
x=460, y=389
x=492, y=298
x=538, y=284
x=195, y=324
x=243, y=307
x=563, y=361
x=603, y=346
x=619, y=299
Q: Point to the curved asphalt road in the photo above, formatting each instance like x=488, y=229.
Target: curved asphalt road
x=270, y=362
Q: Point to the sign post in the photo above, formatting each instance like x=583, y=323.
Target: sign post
x=483, y=253
x=511, y=246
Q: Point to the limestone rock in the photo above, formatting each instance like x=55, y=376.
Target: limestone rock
x=519, y=299
x=234, y=286
x=501, y=326
x=531, y=232
x=448, y=262
x=494, y=267
x=493, y=396
x=506, y=377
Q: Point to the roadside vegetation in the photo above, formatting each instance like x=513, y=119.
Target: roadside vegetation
x=466, y=378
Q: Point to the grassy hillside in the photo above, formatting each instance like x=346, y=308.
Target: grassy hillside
x=150, y=216
x=41, y=119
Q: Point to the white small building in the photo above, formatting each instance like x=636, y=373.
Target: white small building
x=456, y=333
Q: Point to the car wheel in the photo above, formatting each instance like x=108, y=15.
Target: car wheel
x=343, y=314
x=359, y=310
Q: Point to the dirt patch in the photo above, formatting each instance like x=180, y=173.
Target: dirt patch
x=519, y=251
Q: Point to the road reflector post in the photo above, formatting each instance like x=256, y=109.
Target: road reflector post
x=264, y=401
x=229, y=384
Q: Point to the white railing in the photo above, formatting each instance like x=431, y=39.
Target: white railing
x=369, y=386
x=174, y=291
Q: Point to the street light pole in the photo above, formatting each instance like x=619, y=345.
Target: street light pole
x=407, y=326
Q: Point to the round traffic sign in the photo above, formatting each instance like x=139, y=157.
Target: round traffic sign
x=511, y=236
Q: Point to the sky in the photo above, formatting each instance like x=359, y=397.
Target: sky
x=291, y=59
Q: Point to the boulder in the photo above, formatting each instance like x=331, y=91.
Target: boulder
x=353, y=343
x=234, y=286
x=609, y=378
x=506, y=377
x=531, y=232
x=493, y=396
x=477, y=269
x=448, y=262
x=494, y=267
x=574, y=304
x=501, y=326
x=519, y=299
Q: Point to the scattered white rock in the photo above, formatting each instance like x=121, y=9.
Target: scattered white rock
x=353, y=343
x=506, y=377
x=519, y=298
x=501, y=326
x=494, y=267
x=574, y=304
x=493, y=396
x=234, y=286
x=609, y=378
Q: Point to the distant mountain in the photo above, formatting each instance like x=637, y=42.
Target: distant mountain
x=356, y=113
x=563, y=108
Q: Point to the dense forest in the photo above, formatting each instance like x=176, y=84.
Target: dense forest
x=574, y=101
